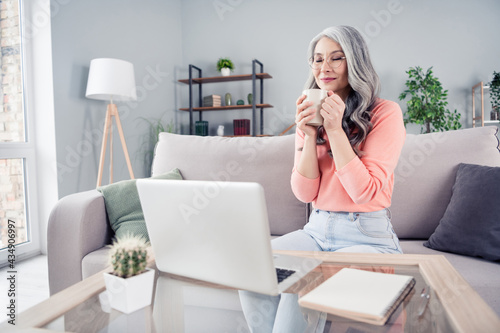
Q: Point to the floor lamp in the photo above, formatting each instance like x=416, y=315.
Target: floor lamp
x=111, y=79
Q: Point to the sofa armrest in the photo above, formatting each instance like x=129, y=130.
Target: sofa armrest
x=78, y=225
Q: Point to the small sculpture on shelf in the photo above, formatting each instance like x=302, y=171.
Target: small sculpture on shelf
x=494, y=114
x=250, y=98
x=228, y=99
x=240, y=102
x=220, y=130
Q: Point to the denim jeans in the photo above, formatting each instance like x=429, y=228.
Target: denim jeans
x=370, y=232
x=343, y=232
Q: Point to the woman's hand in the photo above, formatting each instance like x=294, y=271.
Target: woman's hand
x=332, y=111
x=305, y=114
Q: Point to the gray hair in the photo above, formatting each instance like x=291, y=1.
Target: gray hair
x=364, y=81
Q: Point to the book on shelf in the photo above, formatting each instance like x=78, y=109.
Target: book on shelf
x=241, y=126
x=361, y=295
x=212, y=104
x=212, y=100
x=201, y=127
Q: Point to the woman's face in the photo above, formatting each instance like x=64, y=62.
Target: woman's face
x=327, y=54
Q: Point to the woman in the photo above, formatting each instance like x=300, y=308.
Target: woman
x=345, y=168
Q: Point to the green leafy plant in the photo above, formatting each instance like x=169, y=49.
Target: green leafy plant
x=156, y=126
x=129, y=255
x=427, y=103
x=224, y=63
x=495, y=91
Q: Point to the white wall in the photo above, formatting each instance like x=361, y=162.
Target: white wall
x=457, y=37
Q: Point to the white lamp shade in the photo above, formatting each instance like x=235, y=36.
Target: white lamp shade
x=111, y=79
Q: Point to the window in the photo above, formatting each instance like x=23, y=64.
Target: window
x=17, y=149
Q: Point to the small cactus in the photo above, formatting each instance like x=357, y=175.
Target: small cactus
x=129, y=255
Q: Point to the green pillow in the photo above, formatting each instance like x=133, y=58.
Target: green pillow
x=124, y=207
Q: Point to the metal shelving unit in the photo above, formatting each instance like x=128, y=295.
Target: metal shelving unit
x=200, y=80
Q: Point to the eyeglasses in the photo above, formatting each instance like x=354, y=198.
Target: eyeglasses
x=333, y=61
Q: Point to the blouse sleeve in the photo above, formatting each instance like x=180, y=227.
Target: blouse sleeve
x=363, y=178
x=305, y=189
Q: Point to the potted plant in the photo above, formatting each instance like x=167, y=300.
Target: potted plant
x=130, y=284
x=495, y=96
x=427, y=104
x=156, y=126
x=225, y=66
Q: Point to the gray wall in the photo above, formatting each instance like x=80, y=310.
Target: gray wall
x=146, y=33
x=456, y=37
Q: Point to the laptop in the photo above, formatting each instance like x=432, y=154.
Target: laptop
x=216, y=232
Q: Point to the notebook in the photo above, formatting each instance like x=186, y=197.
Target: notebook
x=360, y=295
x=216, y=232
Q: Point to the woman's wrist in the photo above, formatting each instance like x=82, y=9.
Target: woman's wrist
x=341, y=148
x=309, y=139
x=335, y=133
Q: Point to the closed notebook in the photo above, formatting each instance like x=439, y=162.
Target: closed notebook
x=360, y=295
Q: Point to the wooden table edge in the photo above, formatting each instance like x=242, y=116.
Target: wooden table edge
x=453, y=290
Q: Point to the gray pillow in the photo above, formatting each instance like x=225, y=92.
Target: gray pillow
x=471, y=222
x=124, y=207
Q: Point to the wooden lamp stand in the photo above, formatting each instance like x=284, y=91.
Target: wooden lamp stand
x=112, y=112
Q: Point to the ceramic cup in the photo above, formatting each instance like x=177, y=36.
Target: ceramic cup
x=317, y=96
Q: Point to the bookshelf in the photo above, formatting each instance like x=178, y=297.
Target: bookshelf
x=255, y=77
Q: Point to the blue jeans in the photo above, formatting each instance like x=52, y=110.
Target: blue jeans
x=326, y=231
x=343, y=232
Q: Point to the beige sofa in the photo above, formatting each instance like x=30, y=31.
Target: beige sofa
x=79, y=229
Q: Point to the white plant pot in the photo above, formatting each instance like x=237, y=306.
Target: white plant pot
x=225, y=71
x=130, y=294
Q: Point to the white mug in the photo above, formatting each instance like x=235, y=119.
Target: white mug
x=317, y=96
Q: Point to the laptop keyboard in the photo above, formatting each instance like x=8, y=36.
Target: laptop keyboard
x=283, y=273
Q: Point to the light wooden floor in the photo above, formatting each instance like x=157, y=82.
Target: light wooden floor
x=32, y=284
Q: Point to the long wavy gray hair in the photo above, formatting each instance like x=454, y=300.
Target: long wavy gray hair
x=362, y=78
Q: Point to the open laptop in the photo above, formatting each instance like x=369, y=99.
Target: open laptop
x=216, y=232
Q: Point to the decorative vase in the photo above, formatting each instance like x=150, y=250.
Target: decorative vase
x=250, y=98
x=225, y=71
x=494, y=114
x=240, y=102
x=228, y=99
x=130, y=294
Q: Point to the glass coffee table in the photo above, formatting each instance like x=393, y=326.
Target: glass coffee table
x=441, y=301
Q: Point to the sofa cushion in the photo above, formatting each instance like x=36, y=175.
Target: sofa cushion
x=124, y=207
x=426, y=173
x=471, y=223
x=265, y=160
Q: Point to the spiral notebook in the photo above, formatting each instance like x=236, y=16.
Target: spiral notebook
x=361, y=295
